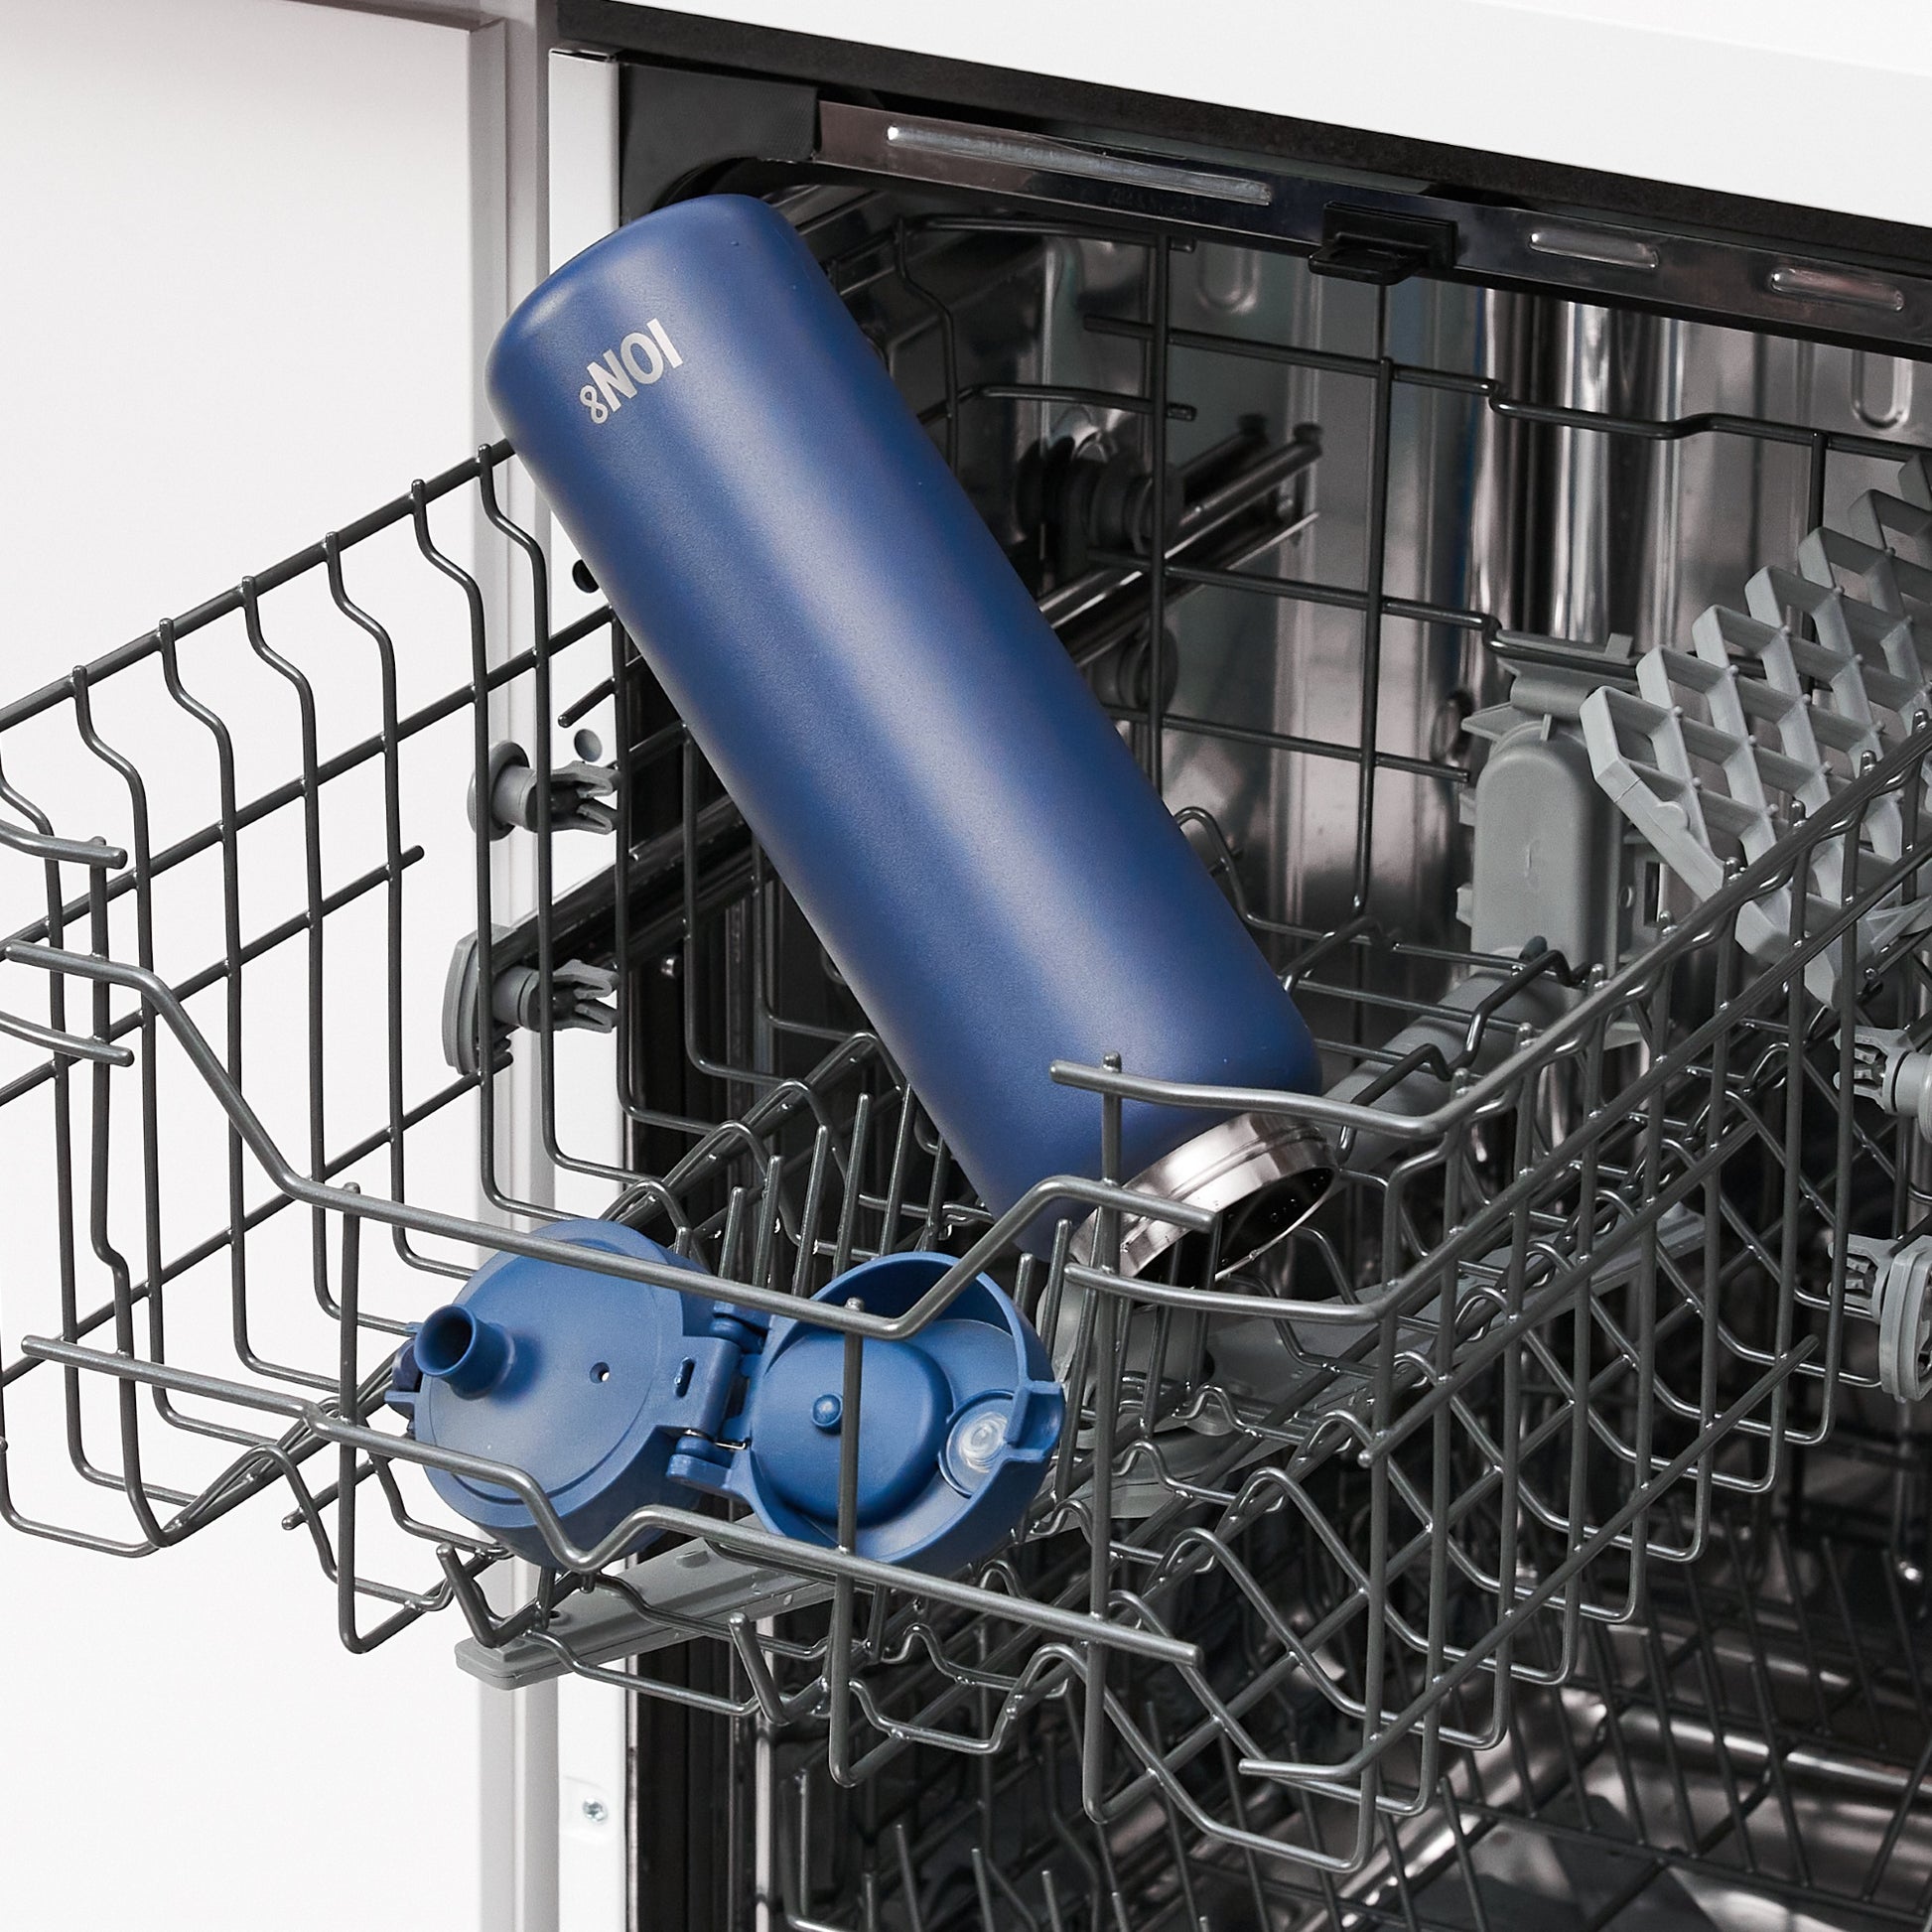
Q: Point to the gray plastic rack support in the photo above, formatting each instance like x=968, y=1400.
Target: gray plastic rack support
x=602, y=1626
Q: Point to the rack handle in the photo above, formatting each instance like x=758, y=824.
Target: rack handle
x=73, y=851
x=67, y=1046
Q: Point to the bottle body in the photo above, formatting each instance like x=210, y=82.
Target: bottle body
x=950, y=806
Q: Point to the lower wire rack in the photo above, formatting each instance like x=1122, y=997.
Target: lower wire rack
x=1750, y=1748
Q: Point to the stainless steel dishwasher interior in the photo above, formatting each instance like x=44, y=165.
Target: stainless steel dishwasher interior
x=1496, y=476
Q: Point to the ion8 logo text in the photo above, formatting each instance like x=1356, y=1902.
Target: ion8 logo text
x=637, y=362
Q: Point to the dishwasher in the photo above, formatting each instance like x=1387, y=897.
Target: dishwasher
x=1513, y=599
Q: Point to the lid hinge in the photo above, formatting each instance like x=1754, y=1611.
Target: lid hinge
x=700, y=1457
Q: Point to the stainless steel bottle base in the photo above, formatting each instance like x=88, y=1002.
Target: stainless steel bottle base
x=1265, y=1172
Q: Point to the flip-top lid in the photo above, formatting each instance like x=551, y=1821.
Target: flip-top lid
x=955, y=1422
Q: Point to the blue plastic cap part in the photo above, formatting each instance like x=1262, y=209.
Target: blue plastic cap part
x=614, y=1394
x=955, y=1423
x=580, y=1380
x=459, y=1347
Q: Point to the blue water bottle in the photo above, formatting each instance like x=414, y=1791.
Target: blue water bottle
x=947, y=800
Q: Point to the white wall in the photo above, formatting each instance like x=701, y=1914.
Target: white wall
x=237, y=311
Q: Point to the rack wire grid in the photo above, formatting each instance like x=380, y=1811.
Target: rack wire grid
x=1588, y=1316
x=1751, y=1749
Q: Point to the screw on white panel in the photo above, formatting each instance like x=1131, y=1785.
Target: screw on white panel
x=596, y=1809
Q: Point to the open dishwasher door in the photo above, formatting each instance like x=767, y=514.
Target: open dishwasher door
x=1520, y=607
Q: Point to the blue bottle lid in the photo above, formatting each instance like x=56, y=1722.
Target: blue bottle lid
x=571, y=1376
x=956, y=1422
x=613, y=1394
